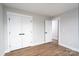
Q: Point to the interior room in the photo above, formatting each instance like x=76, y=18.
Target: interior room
x=39, y=29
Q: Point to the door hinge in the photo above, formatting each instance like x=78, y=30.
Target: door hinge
x=9, y=19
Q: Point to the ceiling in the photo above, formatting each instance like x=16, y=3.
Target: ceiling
x=47, y=9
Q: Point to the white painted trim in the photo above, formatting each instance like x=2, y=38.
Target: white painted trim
x=40, y=43
x=3, y=53
x=7, y=51
x=74, y=49
x=35, y=44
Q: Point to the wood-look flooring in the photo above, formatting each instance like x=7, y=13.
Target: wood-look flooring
x=47, y=49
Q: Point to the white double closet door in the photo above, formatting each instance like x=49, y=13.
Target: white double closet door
x=19, y=31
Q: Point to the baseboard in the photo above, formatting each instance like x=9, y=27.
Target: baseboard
x=7, y=51
x=2, y=53
x=74, y=49
x=37, y=44
x=40, y=43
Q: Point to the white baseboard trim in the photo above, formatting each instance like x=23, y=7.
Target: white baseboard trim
x=2, y=54
x=37, y=44
x=40, y=43
x=74, y=49
x=7, y=51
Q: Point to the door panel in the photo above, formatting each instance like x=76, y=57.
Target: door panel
x=14, y=30
x=27, y=30
x=48, y=30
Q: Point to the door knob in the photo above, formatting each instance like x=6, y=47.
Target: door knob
x=21, y=34
x=45, y=32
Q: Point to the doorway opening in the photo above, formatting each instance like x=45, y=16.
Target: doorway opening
x=55, y=30
x=52, y=30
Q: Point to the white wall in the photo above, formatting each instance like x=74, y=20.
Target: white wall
x=55, y=28
x=38, y=25
x=68, y=36
x=1, y=31
x=38, y=29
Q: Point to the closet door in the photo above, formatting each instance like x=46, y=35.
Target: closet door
x=27, y=30
x=19, y=31
x=48, y=30
x=14, y=30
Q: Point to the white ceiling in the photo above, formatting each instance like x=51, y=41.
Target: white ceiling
x=47, y=9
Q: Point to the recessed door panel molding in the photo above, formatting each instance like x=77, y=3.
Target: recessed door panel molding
x=19, y=31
